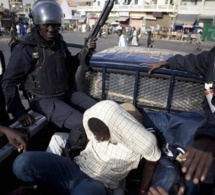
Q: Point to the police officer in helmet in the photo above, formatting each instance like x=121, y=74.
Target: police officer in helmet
x=42, y=66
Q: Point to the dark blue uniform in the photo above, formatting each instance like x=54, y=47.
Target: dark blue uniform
x=4, y=119
x=204, y=64
x=45, y=71
x=180, y=129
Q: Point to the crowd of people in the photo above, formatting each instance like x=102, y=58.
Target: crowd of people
x=112, y=139
x=18, y=31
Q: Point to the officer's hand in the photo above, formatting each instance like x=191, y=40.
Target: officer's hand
x=199, y=158
x=154, y=66
x=18, y=139
x=91, y=44
x=27, y=120
x=161, y=191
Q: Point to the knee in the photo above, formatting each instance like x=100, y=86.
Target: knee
x=89, y=187
x=166, y=179
x=21, y=163
x=96, y=189
x=166, y=175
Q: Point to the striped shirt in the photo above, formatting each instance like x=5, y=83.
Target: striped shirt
x=110, y=161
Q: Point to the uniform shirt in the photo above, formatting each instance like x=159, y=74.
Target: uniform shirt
x=110, y=161
x=122, y=41
x=22, y=62
x=202, y=63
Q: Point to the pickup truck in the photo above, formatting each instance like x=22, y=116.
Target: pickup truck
x=115, y=74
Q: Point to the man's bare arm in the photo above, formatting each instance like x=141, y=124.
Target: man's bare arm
x=148, y=171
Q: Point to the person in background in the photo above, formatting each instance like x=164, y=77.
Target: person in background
x=122, y=40
x=199, y=164
x=189, y=40
x=198, y=41
x=150, y=40
x=13, y=34
x=18, y=29
x=22, y=30
x=134, y=40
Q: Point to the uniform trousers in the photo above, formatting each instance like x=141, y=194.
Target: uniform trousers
x=65, y=110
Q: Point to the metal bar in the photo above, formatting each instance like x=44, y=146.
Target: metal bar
x=103, y=83
x=136, y=87
x=171, y=88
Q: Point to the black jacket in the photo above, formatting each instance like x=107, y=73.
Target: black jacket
x=204, y=64
x=23, y=61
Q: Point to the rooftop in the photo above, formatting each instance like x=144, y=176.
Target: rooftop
x=70, y=2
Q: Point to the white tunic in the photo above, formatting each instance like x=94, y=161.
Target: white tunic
x=110, y=161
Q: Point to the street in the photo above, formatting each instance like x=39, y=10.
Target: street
x=111, y=41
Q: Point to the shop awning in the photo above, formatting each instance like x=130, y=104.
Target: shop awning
x=110, y=20
x=187, y=26
x=207, y=17
x=114, y=23
x=136, y=16
x=122, y=19
x=157, y=14
x=92, y=16
x=150, y=18
x=82, y=20
x=182, y=19
x=76, y=17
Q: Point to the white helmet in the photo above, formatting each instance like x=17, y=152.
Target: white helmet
x=46, y=12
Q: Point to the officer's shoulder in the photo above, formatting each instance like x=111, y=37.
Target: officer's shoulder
x=213, y=49
x=26, y=41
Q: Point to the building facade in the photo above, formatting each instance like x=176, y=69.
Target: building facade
x=157, y=14
x=170, y=15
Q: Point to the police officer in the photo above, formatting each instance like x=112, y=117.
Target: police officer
x=199, y=164
x=4, y=119
x=42, y=66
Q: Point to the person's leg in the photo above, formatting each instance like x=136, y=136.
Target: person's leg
x=177, y=129
x=81, y=101
x=89, y=187
x=191, y=188
x=166, y=174
x=59, y=112
x=57, y=143
x=55, y=171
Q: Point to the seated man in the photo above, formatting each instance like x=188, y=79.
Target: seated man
x=117, y=142
x=61, y=140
